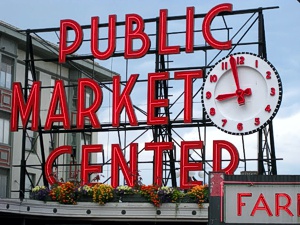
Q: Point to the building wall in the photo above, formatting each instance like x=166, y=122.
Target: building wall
x=8, y=51
x=47, y=72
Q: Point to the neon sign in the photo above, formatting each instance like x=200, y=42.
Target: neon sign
x=134, y=29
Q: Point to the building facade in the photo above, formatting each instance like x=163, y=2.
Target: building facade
x=36, y=145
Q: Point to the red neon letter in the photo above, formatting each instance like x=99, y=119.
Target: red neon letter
x=186, y=166
x=118, y=160
x=90, y=111
x=217, y=156
x=87, y=169
x=265, y=206
x=285, y=207
x=188, y=77
x=189, y=35
x=163, y=49
x=158, y=148
x=123, y=100
x=63, y=48
x=240, y=203
x=153, y=103
x=298, y=205
x=50, y=160
x=138, y=33
x=58, y=96
x=18, y=105
x=111, y=38
x=226, y=7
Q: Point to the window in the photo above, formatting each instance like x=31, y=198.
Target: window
x=86, y=139
x=29, y=184
x=3, y=156
x=88, y=98
x=31, y=138
x=53, y=142
x=52, y=87
x=30, y=80
x=7, y=65
x=3, y=183
x=74, y=98
x=4, y=131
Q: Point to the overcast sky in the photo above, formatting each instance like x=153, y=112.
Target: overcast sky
x=283, y=48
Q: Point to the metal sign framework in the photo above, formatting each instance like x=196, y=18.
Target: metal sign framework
x=266, y=148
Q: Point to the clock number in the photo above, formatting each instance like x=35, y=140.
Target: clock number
x=224, y=65
x=224, y=121
x=272, y=93
x=212, y=111
x=213, y=78
x=268, y=76
x=268, y=108
x=208, y=95
x=240, y=126
x=256, y=63
x=240, y=60
x=256, y=121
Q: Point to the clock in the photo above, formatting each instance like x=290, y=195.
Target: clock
x=242, y=93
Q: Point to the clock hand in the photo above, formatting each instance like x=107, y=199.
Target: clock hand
x=240, y=93
x=223, y=97
x=234, y=71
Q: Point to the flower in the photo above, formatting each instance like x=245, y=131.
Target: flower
x=102, y=193
x=169, y=194
x=71, y=192
x=64, y=193
x=200, y=192
x=124, y=190
x=39, y=193
x=84, y=190
x=150, y=192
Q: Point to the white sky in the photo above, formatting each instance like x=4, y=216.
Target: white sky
x=283, y=48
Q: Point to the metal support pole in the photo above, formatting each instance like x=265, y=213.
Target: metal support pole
x=45, y=181
x=23, y=161
x=272, y=168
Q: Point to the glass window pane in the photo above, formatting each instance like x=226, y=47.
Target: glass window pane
x=2, y=79
x=28, y=185
x=8, y=69
x=3, y=155
x=87, y=100
x=29, y=82
x=8, y=81
x=29, y=139
x=3, y=186
x=6, y=134
x=30, y=75
x=1, y=131
x=28, y=144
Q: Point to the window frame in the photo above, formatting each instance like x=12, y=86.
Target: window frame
x=6, y=76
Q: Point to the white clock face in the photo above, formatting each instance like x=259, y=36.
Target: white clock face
x=242, y=93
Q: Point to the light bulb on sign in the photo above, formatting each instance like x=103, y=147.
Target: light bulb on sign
x=191, y=173
x=201, y=174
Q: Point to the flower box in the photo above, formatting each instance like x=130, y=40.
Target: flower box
x=85, y=199
x=188, y=199
x=133, y=198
